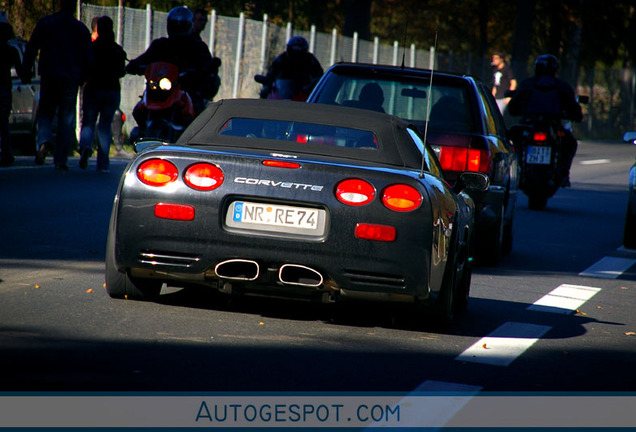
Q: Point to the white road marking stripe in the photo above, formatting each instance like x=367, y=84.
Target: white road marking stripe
x=564, y=299
x=504, y=345
x=595, y=162
x=608, y=268
x=439, y=410
x=448, y=406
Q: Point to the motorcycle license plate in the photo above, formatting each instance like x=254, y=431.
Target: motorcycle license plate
x=276, y=218
x=538, y=155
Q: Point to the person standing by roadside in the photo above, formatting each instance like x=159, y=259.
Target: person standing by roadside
x=503, y=80
x=102, y=94
x=199, y=22
x=64, y=44
x=9, y=57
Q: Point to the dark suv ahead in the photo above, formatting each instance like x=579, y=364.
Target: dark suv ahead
x=461, y=122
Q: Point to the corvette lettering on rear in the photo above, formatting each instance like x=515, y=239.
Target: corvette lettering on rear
x=274, y=183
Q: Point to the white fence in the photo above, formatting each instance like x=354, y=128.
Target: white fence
x=247, y=47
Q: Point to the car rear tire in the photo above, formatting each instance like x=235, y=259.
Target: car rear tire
x=120, y=285
x=465, y=273
x=490, y=242
x=453, y=296
x=445, y=308
x=506, y=246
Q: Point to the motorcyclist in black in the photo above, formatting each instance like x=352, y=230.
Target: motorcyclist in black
x=545, y=97
x=198, y=69
x=295, y=63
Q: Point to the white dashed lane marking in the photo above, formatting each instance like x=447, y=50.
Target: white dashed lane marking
x=509, y=341
x=609, y=268
x=595, y=162
x=504, y=345
x=564, y=299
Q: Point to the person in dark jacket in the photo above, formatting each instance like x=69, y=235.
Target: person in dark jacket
x=197, y=68
x=64, y=44
x=9, y=57
x=546, y=97
x=102, y=94
x=295, y=63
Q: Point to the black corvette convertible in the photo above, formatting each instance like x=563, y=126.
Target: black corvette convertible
x=298, y=200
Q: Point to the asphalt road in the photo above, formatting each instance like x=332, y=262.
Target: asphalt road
x=59, y=330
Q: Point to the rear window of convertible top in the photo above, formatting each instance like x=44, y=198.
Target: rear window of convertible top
x=303, y=133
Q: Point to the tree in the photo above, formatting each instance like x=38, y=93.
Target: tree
x=24, y=14
x=521, y=46
x=357, y=18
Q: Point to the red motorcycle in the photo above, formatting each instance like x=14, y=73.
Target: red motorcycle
x=165, y=110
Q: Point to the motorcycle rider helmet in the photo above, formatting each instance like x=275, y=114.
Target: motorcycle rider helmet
x=180, y=21
x=546, y=64
x=297, y=45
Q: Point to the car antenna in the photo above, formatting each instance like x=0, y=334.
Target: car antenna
x=428, y=104
x=406, y=27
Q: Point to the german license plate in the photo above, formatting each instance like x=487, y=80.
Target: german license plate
x=538, y=155
x=276, y=218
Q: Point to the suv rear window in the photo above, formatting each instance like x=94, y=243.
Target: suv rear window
x=450, y=105
x=299, y=132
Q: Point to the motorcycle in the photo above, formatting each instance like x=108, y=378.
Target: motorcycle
x=165, y=110
x=543, y=165
x=283, y=88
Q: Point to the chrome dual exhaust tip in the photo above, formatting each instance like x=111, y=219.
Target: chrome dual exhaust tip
x=296, y=274
x=237, y=269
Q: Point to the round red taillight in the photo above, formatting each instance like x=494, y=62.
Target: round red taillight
x=203, y=176
x=157, y=172
x=401, y=198
x=355, y=192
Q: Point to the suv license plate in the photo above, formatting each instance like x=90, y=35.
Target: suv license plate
x=538, y=155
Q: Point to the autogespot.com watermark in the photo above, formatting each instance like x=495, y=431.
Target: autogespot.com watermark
x=304, y=413
x=178, y=411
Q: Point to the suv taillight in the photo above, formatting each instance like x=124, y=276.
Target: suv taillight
x=460, y=159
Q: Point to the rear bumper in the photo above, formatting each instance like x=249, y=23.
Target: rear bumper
x=211, y=255
x=274, y=268
x=488, y=207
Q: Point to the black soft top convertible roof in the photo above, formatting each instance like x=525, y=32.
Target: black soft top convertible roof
x=395, y=146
